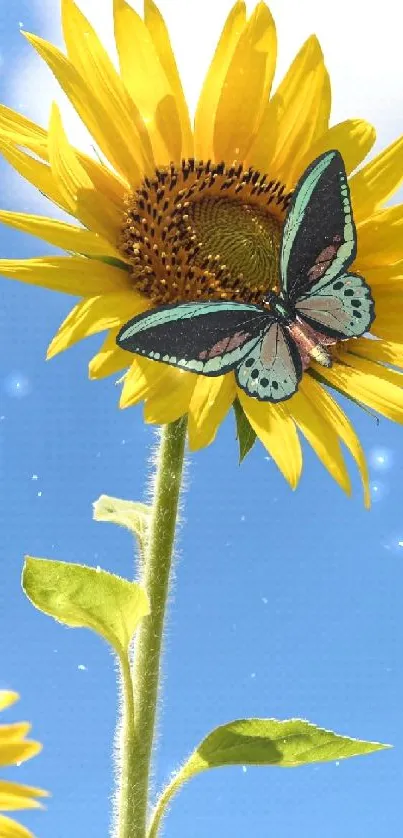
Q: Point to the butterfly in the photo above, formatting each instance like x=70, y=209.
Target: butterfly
x=268, y=346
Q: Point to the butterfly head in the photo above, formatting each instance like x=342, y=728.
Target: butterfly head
x=277, y=306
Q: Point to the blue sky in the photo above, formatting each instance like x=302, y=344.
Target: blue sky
x=284, y=604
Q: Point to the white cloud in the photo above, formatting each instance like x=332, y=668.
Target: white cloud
x=362, y=50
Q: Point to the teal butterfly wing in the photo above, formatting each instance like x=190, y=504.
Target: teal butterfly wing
x=318, y=246
x=342, y=308
x=210, y=338
x=272, y=370
x=319, y=243
x=319, y=238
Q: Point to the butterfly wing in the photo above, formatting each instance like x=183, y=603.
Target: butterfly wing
x=341, y=308
x=210, y=338
x=319, y=238
x=272, y=369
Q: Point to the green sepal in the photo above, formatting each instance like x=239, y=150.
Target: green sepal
x=244, y=432
x=86, y=597
x=109, y=260
x=132, y=515
x=286, y=744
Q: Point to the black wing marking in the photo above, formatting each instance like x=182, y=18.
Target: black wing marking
x=210, y=338
x=319, y=238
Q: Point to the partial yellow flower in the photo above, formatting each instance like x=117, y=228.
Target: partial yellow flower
x=14, y=749
x=146, y=234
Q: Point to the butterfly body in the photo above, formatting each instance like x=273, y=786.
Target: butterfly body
x=278, y=306
x=309, y=344
x=269, y=346
x=308, y=341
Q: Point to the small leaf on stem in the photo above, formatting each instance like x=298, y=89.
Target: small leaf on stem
x=133, y=515
x=86, y=597
x=284, y=744
x=274, y=742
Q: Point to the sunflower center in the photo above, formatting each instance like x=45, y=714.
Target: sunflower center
x=243, y=238
x=204, y=231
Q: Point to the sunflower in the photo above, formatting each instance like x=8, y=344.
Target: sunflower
x=14, y=748
x=155, y=227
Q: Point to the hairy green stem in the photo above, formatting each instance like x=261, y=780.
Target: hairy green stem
x=162, y=803
x=127, y=746
x=146, y=667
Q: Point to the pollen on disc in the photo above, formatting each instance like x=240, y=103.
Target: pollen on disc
x=204, y=231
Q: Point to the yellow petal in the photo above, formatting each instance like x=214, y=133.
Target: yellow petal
x=11, y=829
x=338, y=421
x=295, y=117
x=168, y=128
x=377, y=181
x=13, y=122
x=15, y=732
x=210, y=403
x=35, y=172
x=93, y=315
x=17, y=796
x=147, y=83
x=112, y=125
x=76, y=186
x=142, y=377
x=110, y=358
x=69, y=274
x=14, y=752
x=382, y=275
x=58, y=233
x=380, y=239
x=22, y=790
x=353, y=138
x=368, y=367
x=7, y=698
x=321, y=436
x=10, y=803
x=385, y=352
x=162, y=45
x=276, y=430
x=147, y=378
x=389, y=318
x=246, y=87
x=21, y=131
x=96, y=69
x=388, y=298
x=108, y=185
x=369, y=383
x=168, y=402
x=212, y=87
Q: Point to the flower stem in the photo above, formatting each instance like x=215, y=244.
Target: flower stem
x=146, y=667
x=162, y=804
x=128, y=739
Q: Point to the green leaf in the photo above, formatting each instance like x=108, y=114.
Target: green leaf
x=244, y=432
x=263, y=742
x=86, y=597
x=273, y=742
x=130, y=514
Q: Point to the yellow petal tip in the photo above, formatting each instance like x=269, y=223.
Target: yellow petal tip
x=52, y=350
x=7, y=698
x=313, y=44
